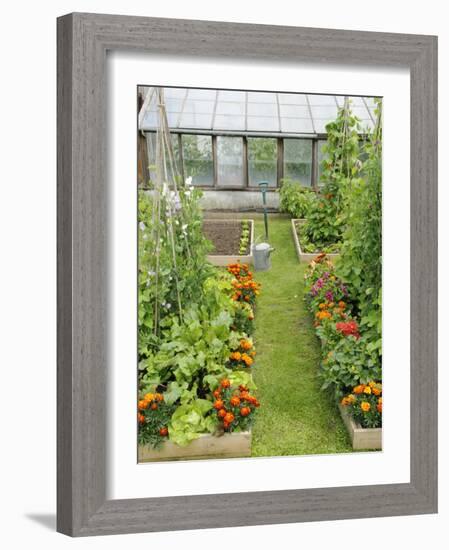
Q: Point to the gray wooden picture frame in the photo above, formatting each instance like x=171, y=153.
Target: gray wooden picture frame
x=83, y=41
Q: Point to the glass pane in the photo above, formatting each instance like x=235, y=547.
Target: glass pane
x=262, y=109
x=320, y=125
x=202, y=94
x=263, y=124
x=228, y=95
x=292, y=99
x=178, y=93
x=321, y=156
x=297, y=125
x=197, y=156
x=298, y=111
x=204, y=107
x=230, y=108
x=151, y=148
x=191, y=120
x=230, y=161
x=328, y=111
x=262, y=161
x=261, y=97
x=321, y=100
x=298, y=160
x=224, y=122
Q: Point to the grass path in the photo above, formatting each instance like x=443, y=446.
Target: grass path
x=295, y=416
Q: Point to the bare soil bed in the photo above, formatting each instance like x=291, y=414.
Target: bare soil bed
x=224, y=236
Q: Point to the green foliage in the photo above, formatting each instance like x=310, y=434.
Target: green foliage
x=154, y=421
x=244, y=237
x=340, y=170
x=172, y=264
x=295, y=199
x=360, y=264
x=190, y=420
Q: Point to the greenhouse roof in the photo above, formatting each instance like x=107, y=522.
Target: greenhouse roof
x=228, y=111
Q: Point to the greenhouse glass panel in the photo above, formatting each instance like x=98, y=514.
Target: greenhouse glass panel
x=321, y=157
x=322, y=100
x=262, y=161
x=297, y=111
x=230, y=161
x=292, y=99
x=203, y=107
x=262, y=109
x=193, y=120
x=151, y=150
x=298, y=160
x=230, y=108
x=261, y=97
x=297, y=125
x=228, y=95
x=202, y=94
x=197, y=157
x=263, y=124
x=225, y=122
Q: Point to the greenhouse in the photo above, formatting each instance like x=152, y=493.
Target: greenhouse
x=231, y=140
x=259, y=274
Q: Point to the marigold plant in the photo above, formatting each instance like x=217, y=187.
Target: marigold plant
x=365, y=404
x=235, y=406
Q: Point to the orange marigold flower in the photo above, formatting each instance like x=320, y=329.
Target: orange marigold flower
x=351, y=399
x=341, y=304
x=153, y=406
x=235, y=401
x=218, y=404
x=365, y=406
x=163, y=431
x=142, y=404
x=247, y=359
x=159, y=397
x=245, y=411
x=221, y=413
x=379, y=407
x=322, y=305
x=225, y=383
x=359, y=389
x=141, y=418
x=229, y=418
x=148, y=397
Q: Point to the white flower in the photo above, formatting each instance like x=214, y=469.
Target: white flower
x=184, y=226
x=142, y=226
x=189, y=181
x=151, y=273
x=168, y=306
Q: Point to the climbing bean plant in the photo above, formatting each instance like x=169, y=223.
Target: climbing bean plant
x=341, y=169
x=360, y=264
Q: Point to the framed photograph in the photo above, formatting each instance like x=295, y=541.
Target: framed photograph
x=247, y=274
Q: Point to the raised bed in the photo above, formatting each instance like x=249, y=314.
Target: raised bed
x=227, y=228
x=361, y=438
x=305, y=256
x=230, y=445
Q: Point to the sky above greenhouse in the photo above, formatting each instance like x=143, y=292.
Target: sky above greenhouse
x=250, y=112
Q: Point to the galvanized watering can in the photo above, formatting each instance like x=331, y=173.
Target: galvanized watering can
x=261, y=256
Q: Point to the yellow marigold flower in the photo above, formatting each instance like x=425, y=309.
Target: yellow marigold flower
x=148, y=397
x=365, y=406
x=351, y=399
x=322, y=305
x=367, y=390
